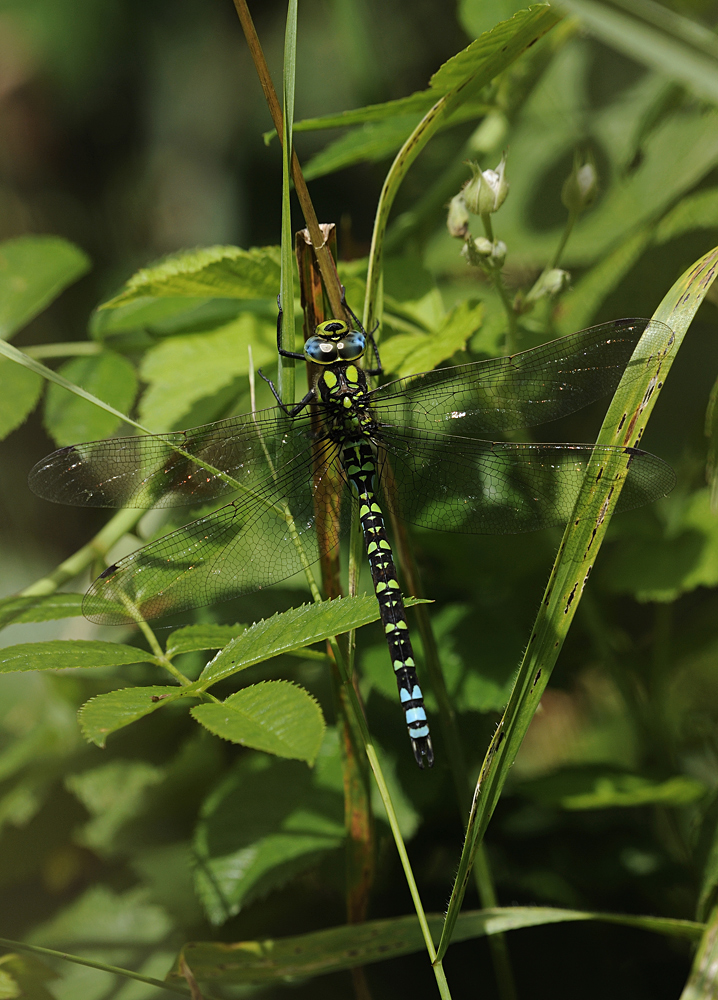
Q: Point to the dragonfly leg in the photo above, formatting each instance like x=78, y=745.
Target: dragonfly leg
x=291, y=411
x=280, y=349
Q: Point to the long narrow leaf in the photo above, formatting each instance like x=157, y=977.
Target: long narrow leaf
x=348, y=946
x=286, y=365
x=623, y=427
x=47, y=373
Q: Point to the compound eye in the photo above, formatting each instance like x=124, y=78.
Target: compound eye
x=321, y=352
x=352, y=347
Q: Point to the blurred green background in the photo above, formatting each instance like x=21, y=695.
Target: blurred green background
x=135, y=130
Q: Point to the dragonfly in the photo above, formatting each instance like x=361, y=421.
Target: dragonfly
x=416, y=447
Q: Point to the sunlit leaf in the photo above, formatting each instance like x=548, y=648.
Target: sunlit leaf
x=48, y=607
x=183, y=369
x=62, y=654
x=21, y=390
x=69, y=419
x=211, y=272
x=106, y=713
x=33, y=272
x=276, y=716
x=195, y=637
x=463, y=75
x=290, y=630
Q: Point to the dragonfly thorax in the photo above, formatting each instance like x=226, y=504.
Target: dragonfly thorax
x=334, y=340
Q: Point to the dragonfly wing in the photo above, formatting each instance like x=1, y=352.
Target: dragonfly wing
x=497, y=487
x=173, y=469
x=524, y=390
x=251, y=543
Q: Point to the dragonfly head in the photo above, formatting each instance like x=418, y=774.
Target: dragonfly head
x=334, y=340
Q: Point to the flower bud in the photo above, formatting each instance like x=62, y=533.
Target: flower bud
x=551, y=283
x=487, y=190
x=483, y=247
x=498, y=253
x=581, y=186
x=457, y=221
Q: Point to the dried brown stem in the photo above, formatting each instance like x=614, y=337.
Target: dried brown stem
x=324, y=257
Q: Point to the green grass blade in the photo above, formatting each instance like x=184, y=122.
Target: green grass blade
x=703, y=980
x=286, y=365
x=345, y=947
x=623, y=426
x=47, y=373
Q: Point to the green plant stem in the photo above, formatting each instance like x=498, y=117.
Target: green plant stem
x=393, y=822
x=568, y=229
x=454, y=750
x=34, y=949
x=498, y=282
x=79, y=348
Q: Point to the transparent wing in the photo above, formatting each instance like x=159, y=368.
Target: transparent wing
x=524, y=390
x=174, y=469
x=250, y=543
x=496, y=487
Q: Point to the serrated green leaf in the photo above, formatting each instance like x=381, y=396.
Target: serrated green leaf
x=163, y=316
x=69, y=418
x=20, y=392
x=211, y=272
x=290, y=630
x=596, y=788
x=106, y=713
x=189, y=367
x=266, y=821
x=112, y=794
x=33, y=272
x=372, y=142
x=64, y=654
x=276, y=716
x=361, y=944
x=463, y=76
x=408, y=354
x=477, y=16
x=39, y=609
x=195, y=637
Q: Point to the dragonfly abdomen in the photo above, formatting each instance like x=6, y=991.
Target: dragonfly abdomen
x=360, y=466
